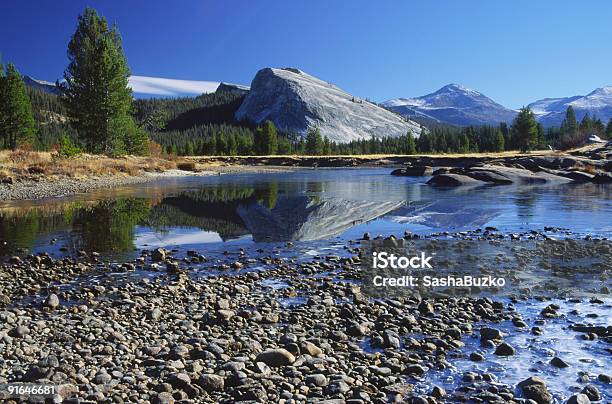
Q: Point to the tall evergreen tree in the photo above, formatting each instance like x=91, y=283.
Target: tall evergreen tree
x=525, y=129
x=464, y=143
x=17, y=125
x=598, y=127
x=609, y=129
x=314, y=141
x=270, y=139
x=96, y=92
x=540, y=139
x=498, y=141
x=586, y=124
x=327, y=149
x=569, y=126
x=410, y=144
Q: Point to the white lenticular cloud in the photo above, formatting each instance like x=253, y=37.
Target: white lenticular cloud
x=170, y=87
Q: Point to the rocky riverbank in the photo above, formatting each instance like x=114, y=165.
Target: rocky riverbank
x=590, y=165
x=260, y=326
x=41, y=188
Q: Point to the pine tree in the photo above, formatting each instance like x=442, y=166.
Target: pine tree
x=525, y=129
x=498, y=141
x=314, y=141
x=269, y=139
x=586, y=125
x=410, y=144
x=464, y=143
x=540, y=139
x=609, y=129
x=17, y=126
x=96, y=92
x=326, y=147
x=569, y=126
x=598, y=127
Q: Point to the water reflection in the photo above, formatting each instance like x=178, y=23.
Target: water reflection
x=301, y=206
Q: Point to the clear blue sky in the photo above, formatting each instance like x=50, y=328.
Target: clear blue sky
x=513, y=51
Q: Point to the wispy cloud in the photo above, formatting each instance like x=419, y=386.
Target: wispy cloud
x=170, y=87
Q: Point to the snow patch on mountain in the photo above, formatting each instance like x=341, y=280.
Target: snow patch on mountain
x=598, y=103
x=454, y=104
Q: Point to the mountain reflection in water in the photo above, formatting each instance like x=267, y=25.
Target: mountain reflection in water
x=300, y=206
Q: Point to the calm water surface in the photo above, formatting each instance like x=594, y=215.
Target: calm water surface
x=311, y=207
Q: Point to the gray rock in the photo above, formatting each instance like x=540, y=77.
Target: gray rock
x=154, y=314
x=413, y=171
x=294, y=101
x=102, y=378
x=310, y=349
x=488, y=333
x=415, y=370
x=453, y=180
x=438, y=392
x=476, y=357
x=19, y=331
x=158, y=255
x=558, y=362
x=579, y=399
x=535, y=389
x=316, y=379
x=276, y=357
x=505, y=349
x=591, y=392
x=210, y=382
x=52, y=301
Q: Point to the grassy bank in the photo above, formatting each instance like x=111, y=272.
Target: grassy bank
x=20, y=165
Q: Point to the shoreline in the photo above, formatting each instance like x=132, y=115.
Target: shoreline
x=32, y=181
x=63, y=187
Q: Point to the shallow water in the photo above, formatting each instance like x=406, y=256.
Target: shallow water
x=533, y=353
x=309, y=207
x=319, y=211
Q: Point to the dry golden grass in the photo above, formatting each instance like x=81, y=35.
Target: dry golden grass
x=29, y=164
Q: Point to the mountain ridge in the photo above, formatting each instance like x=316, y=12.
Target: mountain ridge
x=454, y=104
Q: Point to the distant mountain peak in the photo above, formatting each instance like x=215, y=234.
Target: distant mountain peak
x=598, y=103
x=458, y=88
x=454, y=104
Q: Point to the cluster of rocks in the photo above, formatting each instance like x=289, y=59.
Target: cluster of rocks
x=593, y=167
x=228, y=338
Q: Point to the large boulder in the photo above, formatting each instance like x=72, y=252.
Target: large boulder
x=453, y=180
x=294, y=101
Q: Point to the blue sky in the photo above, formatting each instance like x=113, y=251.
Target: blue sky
x=513, y=51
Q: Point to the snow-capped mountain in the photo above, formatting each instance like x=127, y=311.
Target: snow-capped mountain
x=453, y=104
x=41, y=85
x=295, y=100
x=144, y=86
x=598, y=103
